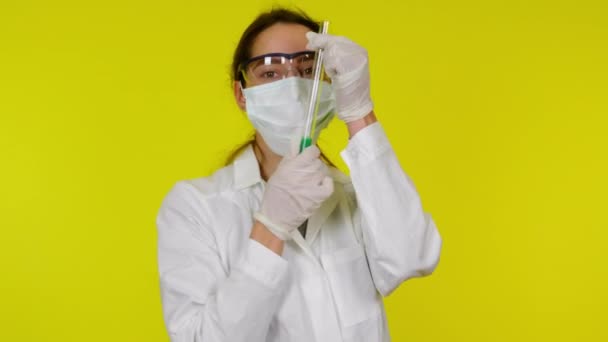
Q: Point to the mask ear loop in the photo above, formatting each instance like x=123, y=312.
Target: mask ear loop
x=242, y=78
x=242, y=89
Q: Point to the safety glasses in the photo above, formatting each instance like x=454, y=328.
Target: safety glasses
x=272, y=67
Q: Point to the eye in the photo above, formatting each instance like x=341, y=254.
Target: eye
x=306, y=67
x=269, y=74
x=306, y=71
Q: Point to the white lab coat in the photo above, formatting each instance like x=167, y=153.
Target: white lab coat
x=367, y=238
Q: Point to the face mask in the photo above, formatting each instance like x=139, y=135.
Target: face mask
x=278, y=110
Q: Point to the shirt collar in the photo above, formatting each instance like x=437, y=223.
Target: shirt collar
x=246, y=169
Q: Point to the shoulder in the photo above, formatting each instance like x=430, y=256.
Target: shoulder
x=192, y=195
x=220, y=182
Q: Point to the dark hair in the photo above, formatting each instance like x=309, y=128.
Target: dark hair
x=243, y=53
x=261, y=23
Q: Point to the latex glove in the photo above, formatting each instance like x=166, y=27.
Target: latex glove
x=294, y=191
x=346, y=63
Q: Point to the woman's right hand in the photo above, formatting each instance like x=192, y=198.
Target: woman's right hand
x=296, y=189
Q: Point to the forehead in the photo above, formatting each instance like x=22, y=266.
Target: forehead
x=280, y=37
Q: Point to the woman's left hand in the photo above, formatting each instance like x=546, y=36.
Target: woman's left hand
x=347, y=65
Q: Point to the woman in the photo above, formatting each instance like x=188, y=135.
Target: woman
x=277, y=246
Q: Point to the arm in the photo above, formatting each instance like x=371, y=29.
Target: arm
x=203, y=301
x=401, y=240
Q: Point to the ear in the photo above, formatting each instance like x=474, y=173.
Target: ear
x=238, y=95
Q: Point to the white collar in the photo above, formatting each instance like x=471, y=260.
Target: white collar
x=246, y=169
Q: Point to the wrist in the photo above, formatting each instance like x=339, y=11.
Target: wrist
x=263, y=235
x=359, y=124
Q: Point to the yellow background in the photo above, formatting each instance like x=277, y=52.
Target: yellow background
x=497, y=110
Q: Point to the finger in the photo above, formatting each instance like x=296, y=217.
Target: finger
x=308, y=167
x=318, y=166
x=326, y=42
x=325, y=169
x=317, y=41
x=316, y=177
x=310, y=154
x=327, y=186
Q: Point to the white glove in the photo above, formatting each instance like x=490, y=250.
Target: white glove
x=347, y=65
x=295, y=190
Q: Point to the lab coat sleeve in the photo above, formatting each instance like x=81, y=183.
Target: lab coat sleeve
x=401, y=240
x=202, y=300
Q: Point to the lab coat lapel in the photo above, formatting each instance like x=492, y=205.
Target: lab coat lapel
x=320, y=216
x=314, y=224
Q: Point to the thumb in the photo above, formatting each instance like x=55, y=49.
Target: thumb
x=294, y=144
x=317, y=41
x=312, y=40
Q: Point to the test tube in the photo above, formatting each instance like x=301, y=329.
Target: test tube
x=313, y=104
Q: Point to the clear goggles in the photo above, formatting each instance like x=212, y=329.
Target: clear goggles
x=277, y=66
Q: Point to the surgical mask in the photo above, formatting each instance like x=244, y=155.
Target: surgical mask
x=278, y=110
